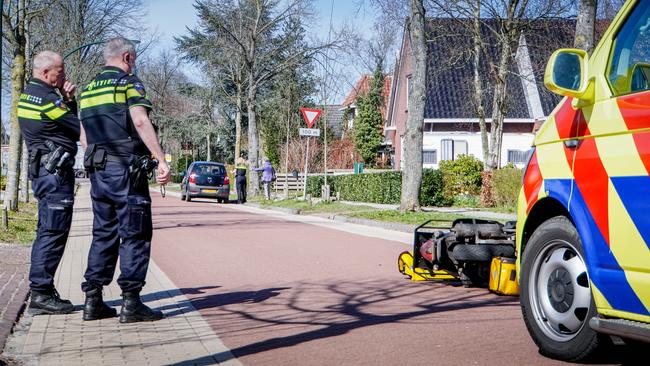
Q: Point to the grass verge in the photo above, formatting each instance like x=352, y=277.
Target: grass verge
x=321, y=207
x=22, y=224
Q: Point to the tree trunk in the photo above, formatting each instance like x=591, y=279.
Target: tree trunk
x=24, y=169
x=478, y=86
x=585, y=25
x=253, y=141
x=412, y=170
x=15, y=145
x=238, y=123
x=500, y=107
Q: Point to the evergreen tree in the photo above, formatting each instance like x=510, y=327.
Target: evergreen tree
x=368, y=126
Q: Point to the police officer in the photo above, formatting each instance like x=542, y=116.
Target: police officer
x=240, y=180
x=50, y=127
x=120, y=138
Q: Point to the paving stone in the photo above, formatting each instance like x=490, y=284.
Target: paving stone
x=68, y=340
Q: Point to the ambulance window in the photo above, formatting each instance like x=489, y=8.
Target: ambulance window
x=629, y=71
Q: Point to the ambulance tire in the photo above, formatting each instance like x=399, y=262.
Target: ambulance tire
x=554, y=248
x=481, y=252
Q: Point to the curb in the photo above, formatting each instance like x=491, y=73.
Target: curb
x=406, y=228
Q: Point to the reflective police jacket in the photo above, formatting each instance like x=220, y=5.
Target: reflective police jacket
x=105, y=116
x=44, y=115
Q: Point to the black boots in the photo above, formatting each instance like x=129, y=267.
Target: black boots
x=133, y=310
x=95, y=308
x=49, y=302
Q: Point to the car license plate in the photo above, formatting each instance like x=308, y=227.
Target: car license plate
x=210, y=190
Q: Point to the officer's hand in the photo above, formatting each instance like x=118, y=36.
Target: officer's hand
x=68, y=90
x=164, y=174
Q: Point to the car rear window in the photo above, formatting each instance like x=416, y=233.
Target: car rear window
x=206, y=169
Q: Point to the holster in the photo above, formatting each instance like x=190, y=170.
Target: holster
x=95, y=157
x=89, y=155
x=34, y=163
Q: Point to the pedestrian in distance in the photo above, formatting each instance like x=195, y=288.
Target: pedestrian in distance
x=268, y=177
x=119, y=139
x=47, y=114
x=240, y=179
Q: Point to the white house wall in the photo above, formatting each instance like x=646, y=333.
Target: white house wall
x=511, y=141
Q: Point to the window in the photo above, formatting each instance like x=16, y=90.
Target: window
x=629, y=71
x=428, y=127
x=451, y=149
x=447, y=148
x=460, y=148
x=430, y=157
x=517, y=156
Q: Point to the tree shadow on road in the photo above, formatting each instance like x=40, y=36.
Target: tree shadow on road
x=334, y=308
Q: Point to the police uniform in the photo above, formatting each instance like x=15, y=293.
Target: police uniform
x=121, y=206
x=240, y=183
x=46, y=119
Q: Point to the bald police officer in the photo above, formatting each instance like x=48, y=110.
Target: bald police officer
x=49, y=125
x=120, y=138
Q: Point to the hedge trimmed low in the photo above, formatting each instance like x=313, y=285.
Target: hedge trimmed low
x=385, y=187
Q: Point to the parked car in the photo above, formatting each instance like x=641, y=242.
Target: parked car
x=206, y=179
x=583, y=231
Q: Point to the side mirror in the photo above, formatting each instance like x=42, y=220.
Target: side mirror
x=566, y=72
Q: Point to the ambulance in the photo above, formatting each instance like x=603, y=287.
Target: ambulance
x=583, y=229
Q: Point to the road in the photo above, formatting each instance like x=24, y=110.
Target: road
x=281, y=292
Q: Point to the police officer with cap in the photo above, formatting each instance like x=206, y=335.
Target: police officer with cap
x=120, y=138
x=50, y=127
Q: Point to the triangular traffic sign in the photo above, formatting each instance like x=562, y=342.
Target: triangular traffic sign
x=310, y=115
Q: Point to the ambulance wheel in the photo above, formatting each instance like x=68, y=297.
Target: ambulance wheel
x=556, y=298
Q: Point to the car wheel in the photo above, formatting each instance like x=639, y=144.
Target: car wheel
x=556, y=298
x=182, y=195
x=187, y=197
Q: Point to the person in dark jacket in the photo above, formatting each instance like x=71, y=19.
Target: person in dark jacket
x=240, y=179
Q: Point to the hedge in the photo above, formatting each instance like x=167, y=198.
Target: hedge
x=506, y=183
x=383, y=187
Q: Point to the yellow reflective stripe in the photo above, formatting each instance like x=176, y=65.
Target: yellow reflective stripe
x=56, y=113
x=88, y=93
x=26, y=113
x=32, y=106
x=102, y=99
x=132, y=93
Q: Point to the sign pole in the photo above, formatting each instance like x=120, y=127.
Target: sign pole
x=304, y=189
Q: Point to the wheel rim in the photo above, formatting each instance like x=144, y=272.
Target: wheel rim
x=560, y=295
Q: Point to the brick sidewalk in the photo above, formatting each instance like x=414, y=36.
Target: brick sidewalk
x=14, y=285
x=67, y=340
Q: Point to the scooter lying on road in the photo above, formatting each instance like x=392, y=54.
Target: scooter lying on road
x=478, y=253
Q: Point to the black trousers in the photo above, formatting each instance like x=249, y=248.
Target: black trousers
x=240, y=182
x=122, y=227
x=55, y=195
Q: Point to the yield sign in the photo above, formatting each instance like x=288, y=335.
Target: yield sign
x=310, y=115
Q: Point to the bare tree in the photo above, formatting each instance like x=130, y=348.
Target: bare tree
x=261, y=31
x=412, y=170
x=16, y=17
x=586, y=25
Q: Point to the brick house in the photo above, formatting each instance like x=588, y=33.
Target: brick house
x=450, y=125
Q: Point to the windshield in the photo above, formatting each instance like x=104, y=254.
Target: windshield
x=208, y=169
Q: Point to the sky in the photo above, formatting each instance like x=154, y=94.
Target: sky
x=171, y=18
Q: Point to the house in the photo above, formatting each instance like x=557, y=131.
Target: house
x=450, y=125
x=362, y=87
